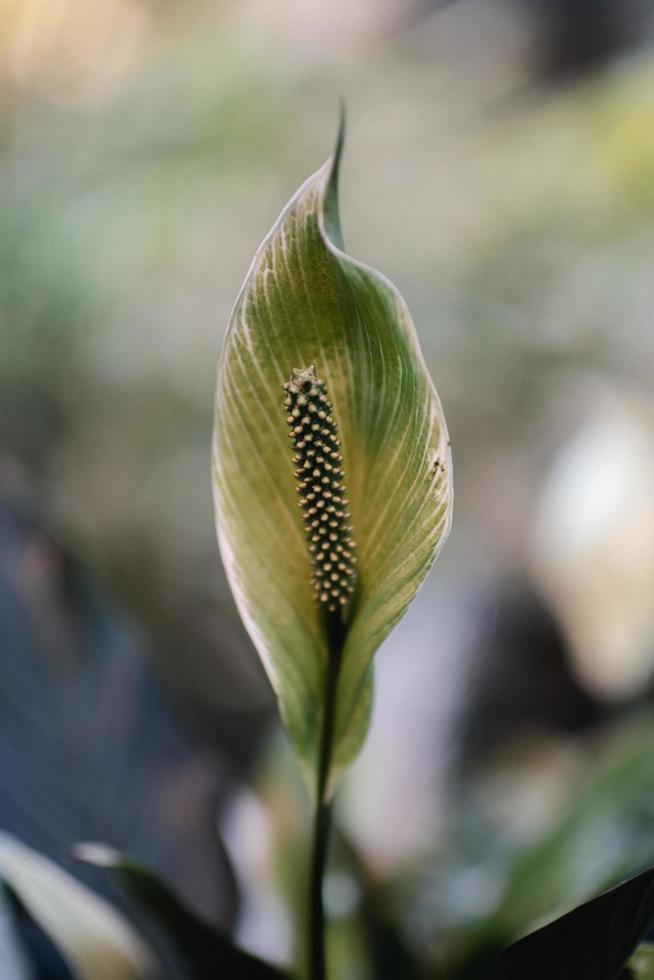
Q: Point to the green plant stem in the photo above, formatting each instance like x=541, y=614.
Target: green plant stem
x=322, y=819
x=317, y=961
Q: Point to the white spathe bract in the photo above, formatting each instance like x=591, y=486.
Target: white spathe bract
x=306, y=302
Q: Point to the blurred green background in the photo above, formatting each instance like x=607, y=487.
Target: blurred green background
x=499, y=169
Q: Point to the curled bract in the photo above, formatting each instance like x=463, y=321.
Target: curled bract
x=305, y=302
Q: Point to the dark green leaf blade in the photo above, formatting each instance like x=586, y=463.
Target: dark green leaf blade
x=593, y=942
x=91, y=936
x=205, y=951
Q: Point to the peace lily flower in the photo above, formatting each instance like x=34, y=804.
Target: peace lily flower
x=331, y=471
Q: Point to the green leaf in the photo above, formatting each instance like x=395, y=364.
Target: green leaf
x=305, y=302
x=89, y=933
x=602, y=837
x=204, y=950
x=593, y=942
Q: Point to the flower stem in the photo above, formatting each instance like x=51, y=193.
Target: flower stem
x=322, y=819
x=317, y=964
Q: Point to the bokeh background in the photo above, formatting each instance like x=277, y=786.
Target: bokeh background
x=500, y=169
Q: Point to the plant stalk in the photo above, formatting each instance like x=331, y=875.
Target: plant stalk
x=322, y=818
